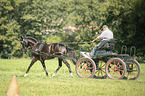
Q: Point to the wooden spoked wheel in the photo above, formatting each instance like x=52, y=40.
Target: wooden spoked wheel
x=115, y=68
x=100, y=70
x=133, y=70
x=85, y=68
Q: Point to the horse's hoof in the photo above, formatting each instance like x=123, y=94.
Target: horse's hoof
x=53, y=75
x=71, y=75
x=25, y=75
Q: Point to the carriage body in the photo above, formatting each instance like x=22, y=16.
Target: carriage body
x=108, y=64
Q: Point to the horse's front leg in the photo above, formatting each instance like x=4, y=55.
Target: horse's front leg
x=68, y=65
x=44, y=67
x=60, y=65
x=34, y=59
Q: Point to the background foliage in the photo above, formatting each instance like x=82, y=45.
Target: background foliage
x=71, y=21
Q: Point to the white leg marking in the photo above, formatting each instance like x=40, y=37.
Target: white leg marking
x=71, y=75
x=25, y=75
x=53, y=75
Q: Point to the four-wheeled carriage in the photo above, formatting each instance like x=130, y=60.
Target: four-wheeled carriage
x=108, y=64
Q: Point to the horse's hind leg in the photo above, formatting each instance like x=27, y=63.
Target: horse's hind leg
x=34, y=59
x=44, y=67
x=68, y=65
x=60, y=65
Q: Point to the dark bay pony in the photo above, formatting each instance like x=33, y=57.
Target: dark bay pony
x=48, y=51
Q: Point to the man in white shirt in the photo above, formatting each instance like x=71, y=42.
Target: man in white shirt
x=104, y=37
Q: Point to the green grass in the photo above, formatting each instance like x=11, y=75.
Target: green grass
x=37, y=84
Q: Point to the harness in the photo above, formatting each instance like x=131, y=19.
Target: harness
x=53, y=47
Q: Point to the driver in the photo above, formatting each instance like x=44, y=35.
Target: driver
x=104, y=37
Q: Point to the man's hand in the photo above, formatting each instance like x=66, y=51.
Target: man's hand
x=94, y=40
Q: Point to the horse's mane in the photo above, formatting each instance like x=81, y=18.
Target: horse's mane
x=31, y=38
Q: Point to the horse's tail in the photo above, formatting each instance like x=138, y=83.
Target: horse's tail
x=71, y=53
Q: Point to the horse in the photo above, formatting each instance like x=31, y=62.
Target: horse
x=48, y=51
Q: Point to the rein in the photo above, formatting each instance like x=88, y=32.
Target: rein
x=30, y=47
x=76, y=42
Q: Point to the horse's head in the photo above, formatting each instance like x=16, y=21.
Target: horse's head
x=27, y=42
x=24, y=43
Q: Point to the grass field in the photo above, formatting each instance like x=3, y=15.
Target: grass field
x=37, y=84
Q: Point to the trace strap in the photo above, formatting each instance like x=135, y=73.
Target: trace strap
x=76, y=42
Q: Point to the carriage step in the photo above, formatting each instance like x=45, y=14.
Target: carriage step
x=110, y=54
x=129, y=63
x=125, y=55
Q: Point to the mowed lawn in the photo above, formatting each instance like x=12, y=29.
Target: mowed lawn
x=37, y=84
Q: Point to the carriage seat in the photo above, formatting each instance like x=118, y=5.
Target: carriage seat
x=109, y=46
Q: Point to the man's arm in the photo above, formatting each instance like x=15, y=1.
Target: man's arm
x=95, y=40
x=99, y=37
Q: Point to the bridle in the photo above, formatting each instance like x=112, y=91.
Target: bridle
x=25, y=45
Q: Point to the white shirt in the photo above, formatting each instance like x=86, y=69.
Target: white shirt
x=107, y=34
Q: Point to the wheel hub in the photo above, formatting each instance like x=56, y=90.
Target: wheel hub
x=115, y=69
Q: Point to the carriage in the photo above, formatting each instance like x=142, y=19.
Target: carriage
x=105, y=63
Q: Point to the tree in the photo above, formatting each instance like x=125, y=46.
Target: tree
x=138, y=19
x=87, y=17
x=9, y=29
x=126, y=19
